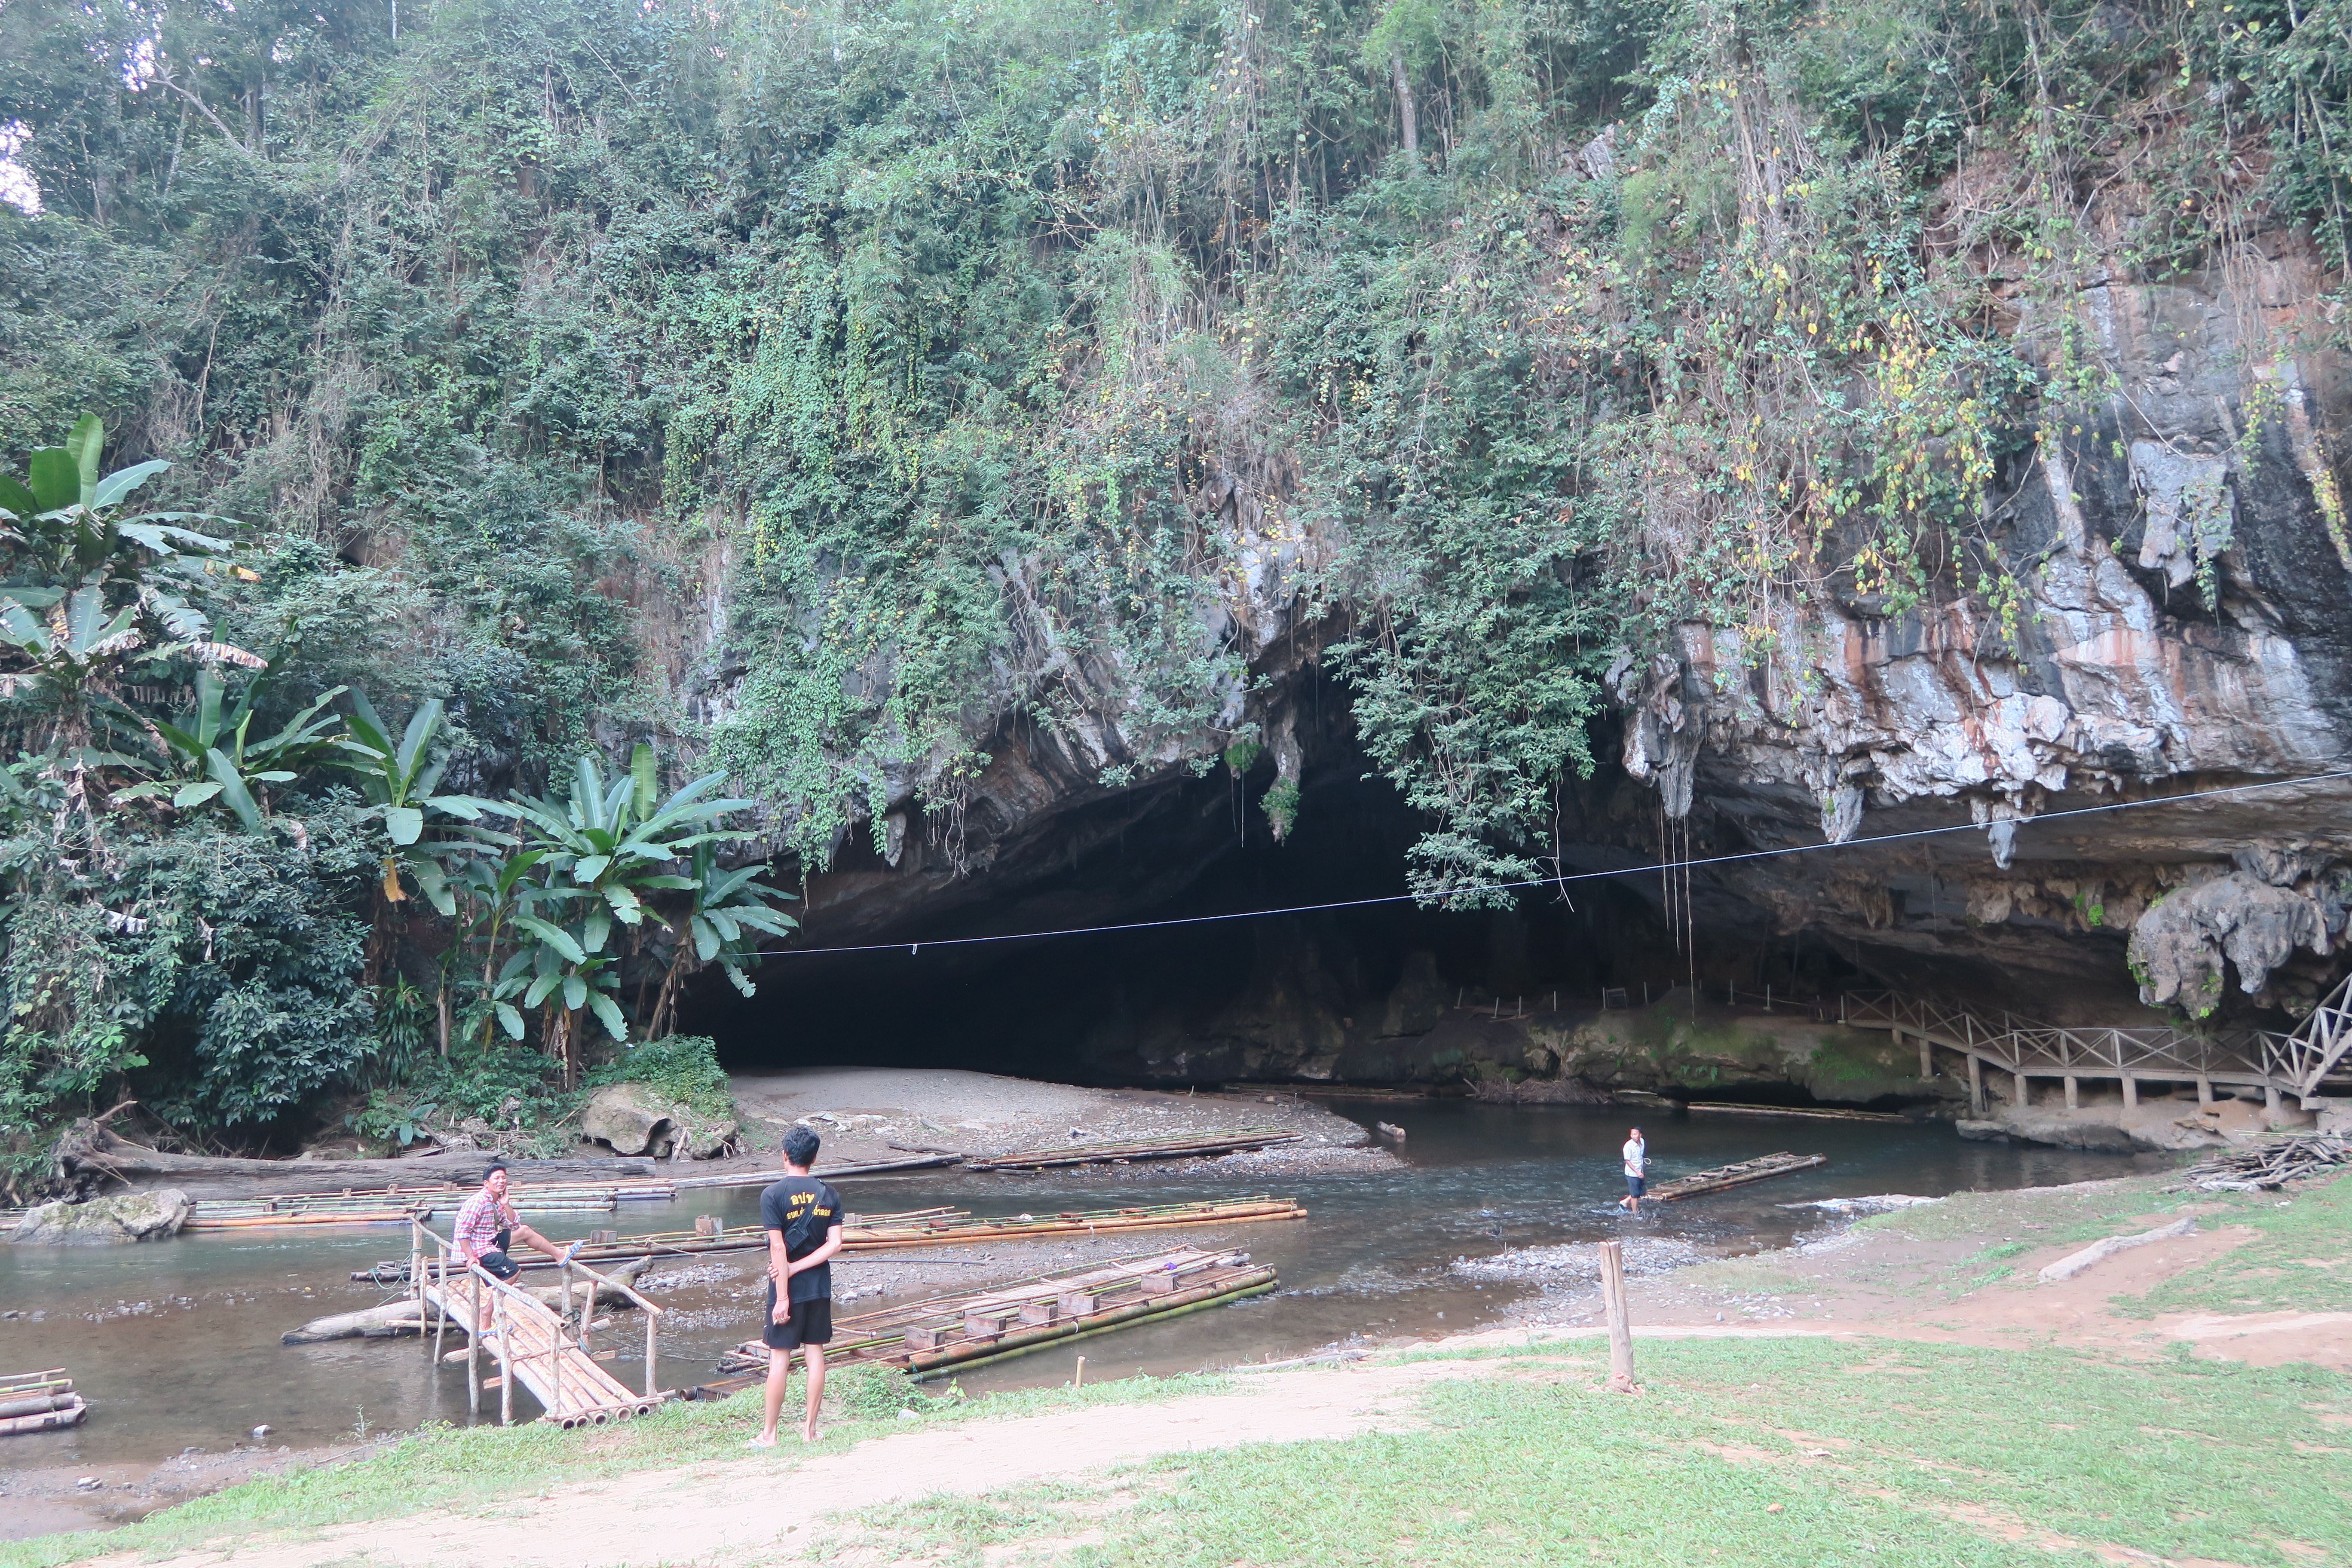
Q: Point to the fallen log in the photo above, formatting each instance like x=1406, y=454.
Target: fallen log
x=37, y=1404
x=2073, y=1263
x=86, y=1150
x=395, y=1319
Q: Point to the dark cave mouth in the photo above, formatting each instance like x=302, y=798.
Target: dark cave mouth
x=1334, y=995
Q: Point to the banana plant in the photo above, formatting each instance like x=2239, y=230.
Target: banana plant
x=400, y=779
x=726, y=912
x=612, y=839
x=85, y=589
x=209, y=758
x=606, y=851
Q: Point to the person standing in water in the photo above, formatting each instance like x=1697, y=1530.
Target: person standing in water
x=1637, y=1163
x=802, y=1219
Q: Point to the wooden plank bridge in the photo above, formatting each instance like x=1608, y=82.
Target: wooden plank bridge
x=550, y=1352
x=2303, y=1065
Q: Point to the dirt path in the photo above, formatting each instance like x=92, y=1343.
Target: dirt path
x=762, y=1507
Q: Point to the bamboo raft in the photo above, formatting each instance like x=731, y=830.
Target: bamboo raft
x=1719, y=1108
x=1174, y=1146
x=951, y=1333
x=1723, y=1178
x=397, y=1204
x=39, y=1402
x=822, y=1172
x=913, y=1227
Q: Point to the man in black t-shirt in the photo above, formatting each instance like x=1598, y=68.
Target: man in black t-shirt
x=803, y=1218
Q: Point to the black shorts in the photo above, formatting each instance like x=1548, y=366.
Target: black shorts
x=1636, y=1187
x=496, y=1261
x=808, y=1323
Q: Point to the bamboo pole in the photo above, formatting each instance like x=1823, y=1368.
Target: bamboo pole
x=1621, y=1332
x=473, y=1346
x=416, y=1271
x=651, y=1322
x=505, y=1358
x=555, y=1348
x=441, y=1319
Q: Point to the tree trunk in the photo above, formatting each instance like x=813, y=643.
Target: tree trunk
x=1406, y=115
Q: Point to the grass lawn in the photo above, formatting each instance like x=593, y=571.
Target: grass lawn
x=487, y=1467
x=2301, y=1261
x=1798, y=1452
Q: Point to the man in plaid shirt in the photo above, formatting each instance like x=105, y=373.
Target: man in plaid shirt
x=487, y=1224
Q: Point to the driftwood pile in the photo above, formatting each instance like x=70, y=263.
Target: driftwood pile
x=2267, y=1167
x=39, y=1402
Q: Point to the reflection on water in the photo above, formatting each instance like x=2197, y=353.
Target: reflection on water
x=175, y=1344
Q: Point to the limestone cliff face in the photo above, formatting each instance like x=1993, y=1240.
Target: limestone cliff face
x=2186, y=624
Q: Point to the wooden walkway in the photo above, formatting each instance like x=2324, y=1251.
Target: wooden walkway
x=550, y=1352
x=2297, y=1066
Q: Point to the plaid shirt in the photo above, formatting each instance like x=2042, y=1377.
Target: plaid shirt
x=478, y=1224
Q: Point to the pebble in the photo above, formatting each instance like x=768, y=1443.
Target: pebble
x=89, y=1483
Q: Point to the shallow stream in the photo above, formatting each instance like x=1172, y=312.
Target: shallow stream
x=175, y=1344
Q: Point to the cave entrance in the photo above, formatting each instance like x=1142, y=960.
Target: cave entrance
x=1342, y=993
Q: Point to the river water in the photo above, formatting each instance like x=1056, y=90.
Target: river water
x=176, y=1344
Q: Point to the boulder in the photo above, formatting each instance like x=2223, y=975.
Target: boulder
x=125, y=1216
x=631, y=1118
x=635, y=1120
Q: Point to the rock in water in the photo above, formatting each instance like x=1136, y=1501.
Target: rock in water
x=635, y=1120
x=125, y=1216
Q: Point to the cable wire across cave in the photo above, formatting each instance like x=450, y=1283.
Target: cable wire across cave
x=1444, y=897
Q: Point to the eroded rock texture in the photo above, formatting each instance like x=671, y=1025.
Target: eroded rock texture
x=2183, y=626
x=2187, y=601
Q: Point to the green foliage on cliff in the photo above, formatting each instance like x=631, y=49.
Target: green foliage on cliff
x=991, y=356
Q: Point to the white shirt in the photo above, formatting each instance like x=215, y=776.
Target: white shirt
x=1637, y=1154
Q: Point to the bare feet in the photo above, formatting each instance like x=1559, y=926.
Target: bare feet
x=808, y=1431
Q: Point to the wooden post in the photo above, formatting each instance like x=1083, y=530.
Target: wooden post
x=441, y=1318
x=1621, y=1332
x=2204, y=1092
x=417, y=1275
x=506, y=1359
x=1767, y=996
x=650, y=1385
x=2131, y=1092
x=1080, y=1381
x=474, y=1343
x=555, y=1347
x=2073, y=1092
x=2024, y=1089
x=2270, y=1104
x=1976, y=1085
